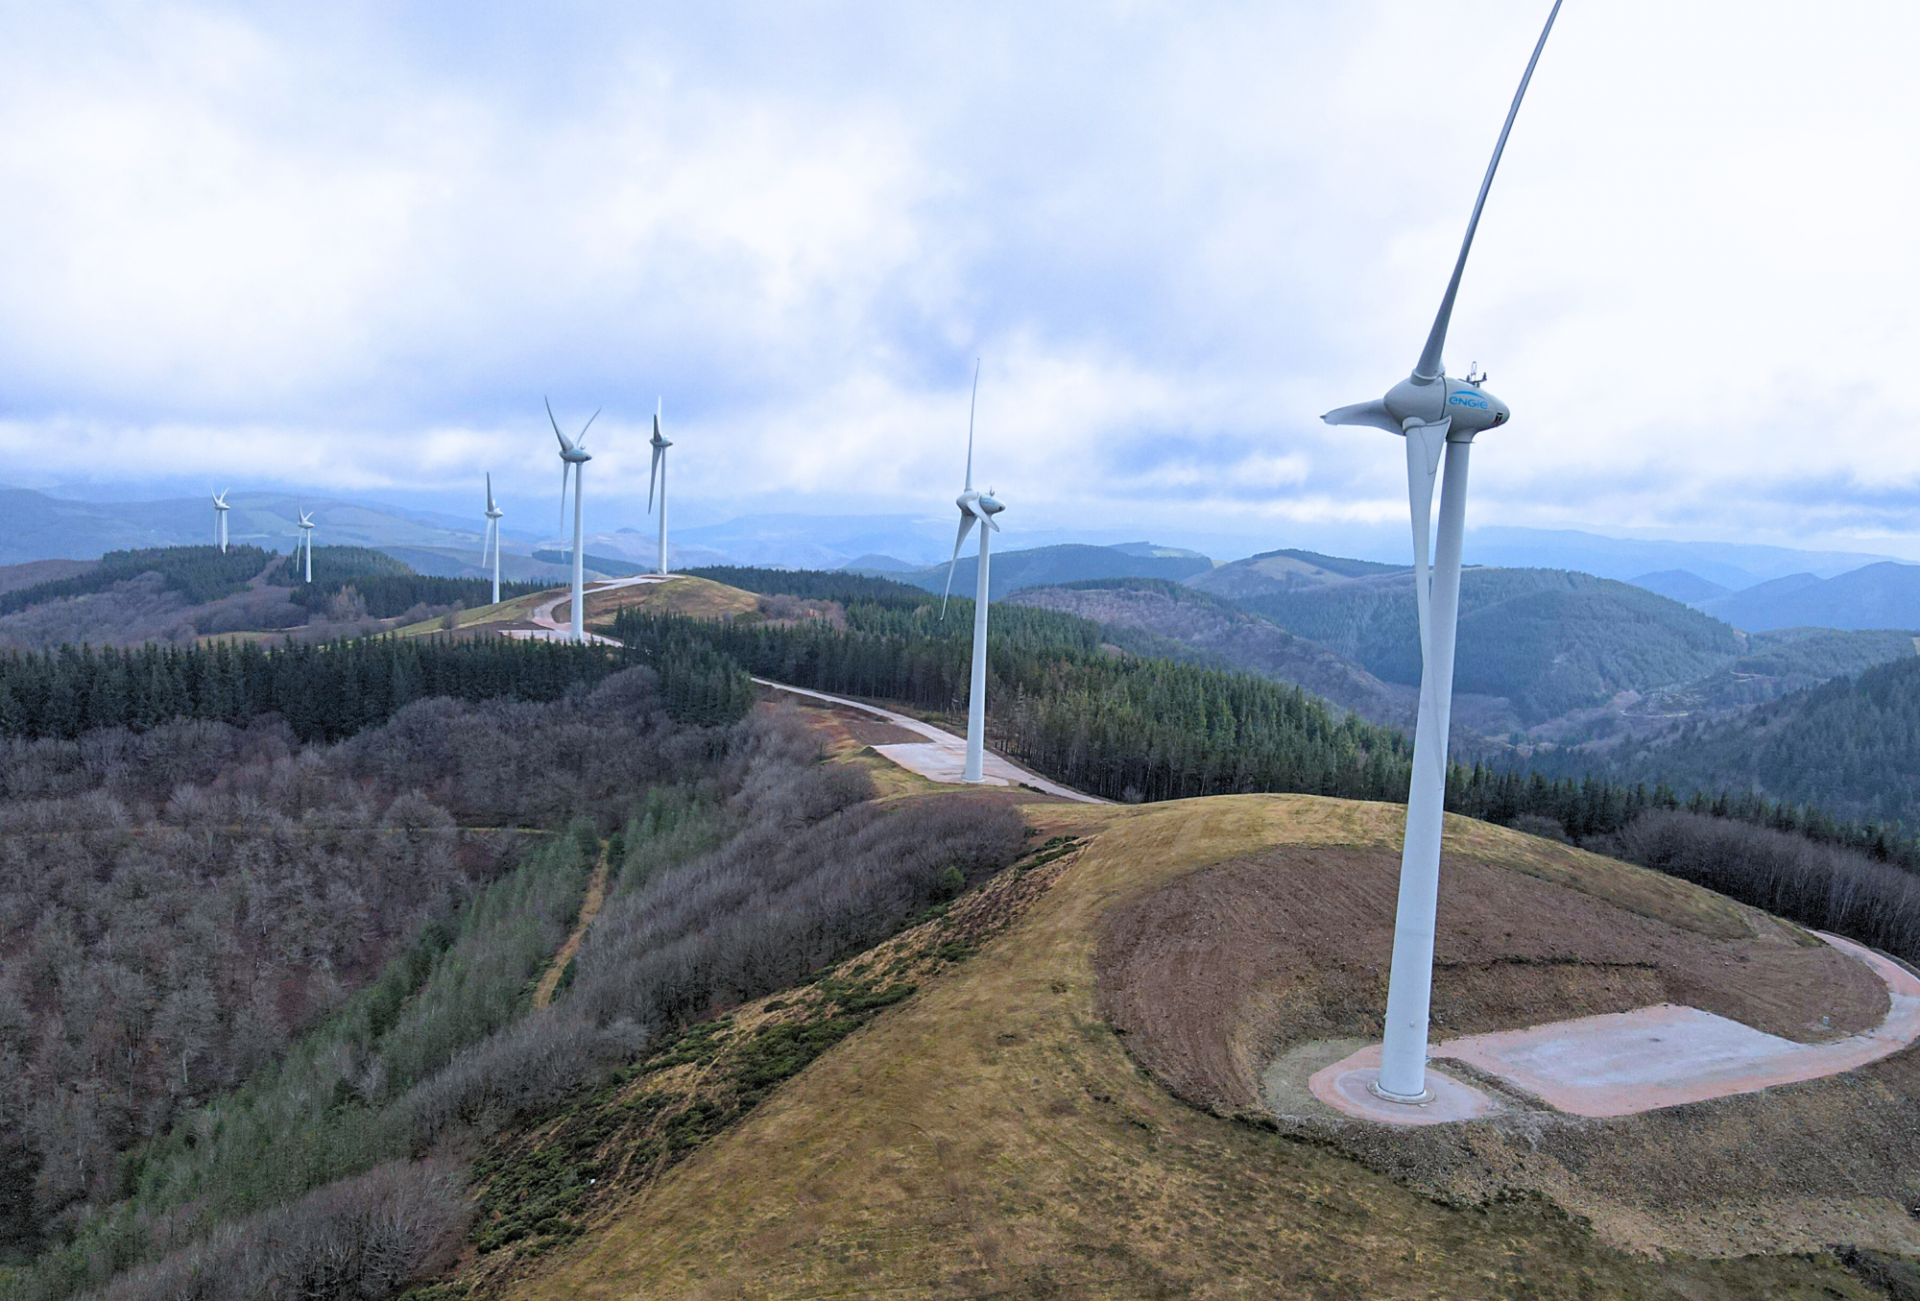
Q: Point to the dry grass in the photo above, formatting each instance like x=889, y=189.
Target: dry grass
x=991, y=1137
x=694, y=598
x=507, y=614
x=697, y=598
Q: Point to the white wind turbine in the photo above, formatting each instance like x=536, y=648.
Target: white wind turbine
x=574, y=458
x=981, y=507
x=493, y=531
x=1434, y=413
x=306, y=541
x=660, y=446
x=220, y=509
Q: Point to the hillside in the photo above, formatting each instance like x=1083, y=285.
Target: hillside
x=1886, y=595
x=1680, y=585
x=1547, y=640
x=1851, y=745
x=992, y=1133
x=178, y=594
x=1242, y=640
x=1286, y=571
x=1009, y=571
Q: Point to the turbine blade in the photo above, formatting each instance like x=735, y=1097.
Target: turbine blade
x=564, y=467
x=1373, y=414
x=581, y=441
x=565, y=446
x=1425, y=443
x=489, y=491
x=972, y=404
x=974, y=509
x=1429, y=365
x=960, y=540
x=653, y=475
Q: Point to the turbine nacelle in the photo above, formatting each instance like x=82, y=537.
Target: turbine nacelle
x=1465, y=406
x=982, y=506
x=1470, y=408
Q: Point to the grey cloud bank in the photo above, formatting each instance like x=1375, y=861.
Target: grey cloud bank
x=351, y=251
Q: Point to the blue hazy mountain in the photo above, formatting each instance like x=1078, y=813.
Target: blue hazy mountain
x=1886, y=595
x=1070, y=562
x=1681, y=585
x=1731, y=565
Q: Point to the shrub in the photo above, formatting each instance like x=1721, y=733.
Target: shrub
x=1824, y=886
x=360, y=1239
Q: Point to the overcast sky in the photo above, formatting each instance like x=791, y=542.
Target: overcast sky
x=351, y=246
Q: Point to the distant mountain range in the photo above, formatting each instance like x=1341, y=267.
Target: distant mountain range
x=1011, y=571
x=1886, y=595
x=1731, y=565
x=1755, y=588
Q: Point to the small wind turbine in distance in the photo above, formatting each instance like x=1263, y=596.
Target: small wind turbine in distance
x=981, y=507
x=306, y=541
x=660, y=446
x=220, y=509
x=574, y=458
x=493, y=530
x=1435, y=414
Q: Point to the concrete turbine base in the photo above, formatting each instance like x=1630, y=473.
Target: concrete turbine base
x=1623, y=1063
x=1349, y=1086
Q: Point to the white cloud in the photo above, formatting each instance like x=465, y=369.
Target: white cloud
x=357, y=246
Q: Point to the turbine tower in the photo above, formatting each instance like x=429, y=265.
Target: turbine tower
x=220, y=509
x=1435, y=414
x=660, y=446
x=981, y=507
x=493, y=531
x=306, y=540
x=573, y=459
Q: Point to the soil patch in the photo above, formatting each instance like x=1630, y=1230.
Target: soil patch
x=1220, y=970
x=1283, y=958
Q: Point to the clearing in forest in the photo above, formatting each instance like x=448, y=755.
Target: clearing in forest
x=1077, y=1108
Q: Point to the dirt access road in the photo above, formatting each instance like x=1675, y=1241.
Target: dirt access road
x=941, y=756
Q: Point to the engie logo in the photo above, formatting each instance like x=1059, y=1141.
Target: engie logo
x=1464, y=399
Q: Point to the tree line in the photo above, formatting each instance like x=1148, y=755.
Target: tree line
x=1064, y=701
x=324, y=692
x=1067, y=699
x=200, y=574
x=387, y=596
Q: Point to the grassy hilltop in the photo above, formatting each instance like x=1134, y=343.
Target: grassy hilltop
x=992, y=1135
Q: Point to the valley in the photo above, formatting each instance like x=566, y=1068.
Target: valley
x=569, y=1008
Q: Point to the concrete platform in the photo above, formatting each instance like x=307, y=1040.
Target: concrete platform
x=942, y=757
x=1628, y=1062
x=1349, y=1081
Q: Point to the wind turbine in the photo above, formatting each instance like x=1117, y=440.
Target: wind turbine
x=982, y=507
x=1435, y=414
x=306, y=538
x=660, y=446
x=220, y=509
x=493, y=530
x=574, y=458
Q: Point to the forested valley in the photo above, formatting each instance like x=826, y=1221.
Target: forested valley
x=279, y=924
x=177, y=594
x=266, y=981
x=1104, y=708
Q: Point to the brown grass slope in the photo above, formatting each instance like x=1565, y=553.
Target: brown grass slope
x=992, y=1136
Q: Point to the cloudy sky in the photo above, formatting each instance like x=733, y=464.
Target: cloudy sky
x=351, y=246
